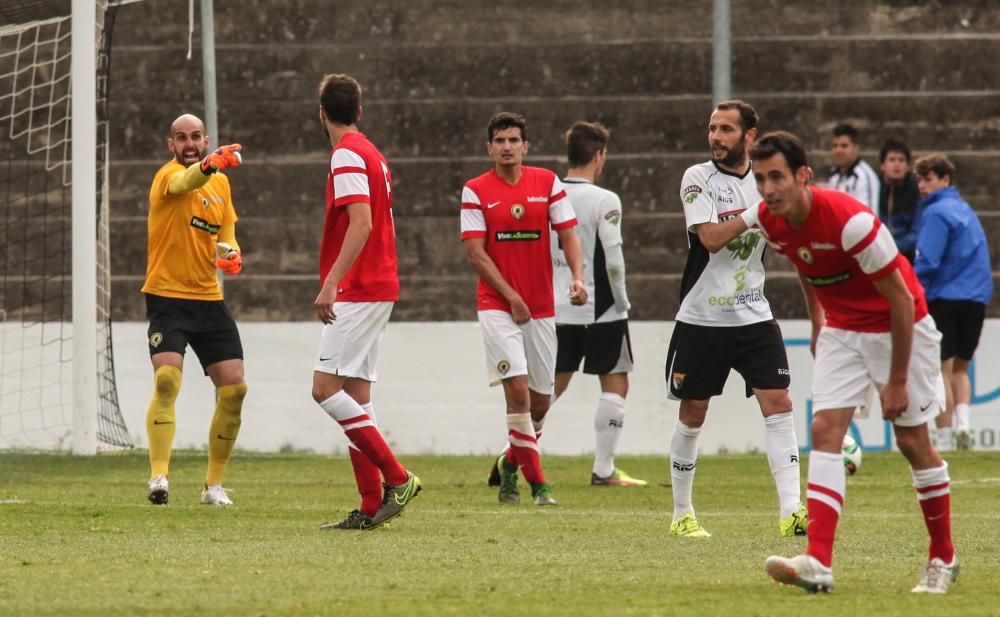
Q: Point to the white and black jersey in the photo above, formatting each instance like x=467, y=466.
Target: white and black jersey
x=860, y=182
x=598, y=217
x=725, y=288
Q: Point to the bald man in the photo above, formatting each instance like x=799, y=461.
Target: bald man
x=191, y=231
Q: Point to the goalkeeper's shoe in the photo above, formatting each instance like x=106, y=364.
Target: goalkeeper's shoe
x=215, y=495
x=159, y=491
x=508, y=483
x=688, y=526
x=795, y=524
x=355, y=520
x=222, y=158
x=804, y=571
x=937, y=576
x=541, y=493
x=617, y=478
x=396, y=497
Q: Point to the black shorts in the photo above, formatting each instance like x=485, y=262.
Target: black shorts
x=206, y=325
x=960, y=323
x=700, y=357
x=606, y=347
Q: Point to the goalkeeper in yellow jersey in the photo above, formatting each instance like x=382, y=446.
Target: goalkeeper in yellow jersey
x=192, y=230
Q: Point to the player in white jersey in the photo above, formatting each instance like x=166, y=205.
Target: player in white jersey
x=725, y=322
x=595, y=333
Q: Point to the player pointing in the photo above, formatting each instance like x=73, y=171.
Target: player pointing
x=192, y=229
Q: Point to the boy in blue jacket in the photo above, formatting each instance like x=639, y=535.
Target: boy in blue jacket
x=953, y=264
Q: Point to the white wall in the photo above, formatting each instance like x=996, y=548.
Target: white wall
x=432, y=395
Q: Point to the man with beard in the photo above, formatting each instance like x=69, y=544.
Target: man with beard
x=191, y=231
x=724, y=321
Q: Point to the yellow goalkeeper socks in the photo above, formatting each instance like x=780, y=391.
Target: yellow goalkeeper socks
x=160, y=419
x=225, y=427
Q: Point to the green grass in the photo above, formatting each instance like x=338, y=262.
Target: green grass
x=78, y=538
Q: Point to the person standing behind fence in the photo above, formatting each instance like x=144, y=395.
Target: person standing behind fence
x=849, y=173
x=953, y=264
x=899, y=198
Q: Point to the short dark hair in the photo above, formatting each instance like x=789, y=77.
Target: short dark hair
x=937, y=163
x=780, y=142
x=894, y=145
x=507, y=120
x=340, y=98
x=748, y=115
x=843, y=129
x=584, y=140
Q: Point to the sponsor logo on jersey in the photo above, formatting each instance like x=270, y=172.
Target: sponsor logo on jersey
x=678, y=380
x=200, y=223
x=727, y=198
x=493, y=204
x=823, y=246
x=833, y=279
x=805, y=255
x=534, y=199
x=613, y=217
x=517, y=211
x=690, y=193
x=503, y=366
x=751, y=297
x=519, y=235
x=155, y=339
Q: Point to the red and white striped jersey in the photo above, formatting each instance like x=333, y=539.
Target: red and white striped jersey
x=360, y=174
x=840, y=249
x=515, y=221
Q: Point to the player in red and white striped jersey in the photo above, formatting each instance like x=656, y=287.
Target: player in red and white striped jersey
x=507, y=214
x=359, y=287
x=870, y=325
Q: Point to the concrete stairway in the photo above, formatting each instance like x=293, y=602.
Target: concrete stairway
x=434, y=71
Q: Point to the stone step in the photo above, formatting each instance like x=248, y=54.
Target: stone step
x=552, y=69
x=429, y=246
x=270, y=130
x=646, y=183
x=435, y=22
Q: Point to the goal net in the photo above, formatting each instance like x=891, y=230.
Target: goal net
x=36, y=351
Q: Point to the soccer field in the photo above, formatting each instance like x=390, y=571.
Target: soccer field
x=77, y=537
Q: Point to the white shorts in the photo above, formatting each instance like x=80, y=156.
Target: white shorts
x=848, y=363
x=512, y=350
x=349, y=345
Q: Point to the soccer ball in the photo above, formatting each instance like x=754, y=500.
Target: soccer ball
x=852, y=455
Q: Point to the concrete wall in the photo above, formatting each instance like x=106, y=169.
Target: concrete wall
x=432, y=395
x=435, y=70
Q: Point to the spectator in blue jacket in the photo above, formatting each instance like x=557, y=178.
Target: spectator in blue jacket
x=899, y=198
x=953, y=263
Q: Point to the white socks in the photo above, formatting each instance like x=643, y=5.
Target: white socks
x=962, y=419
x=783, y=457
x=608, y=422
x=944, y=441
x=683, y=460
